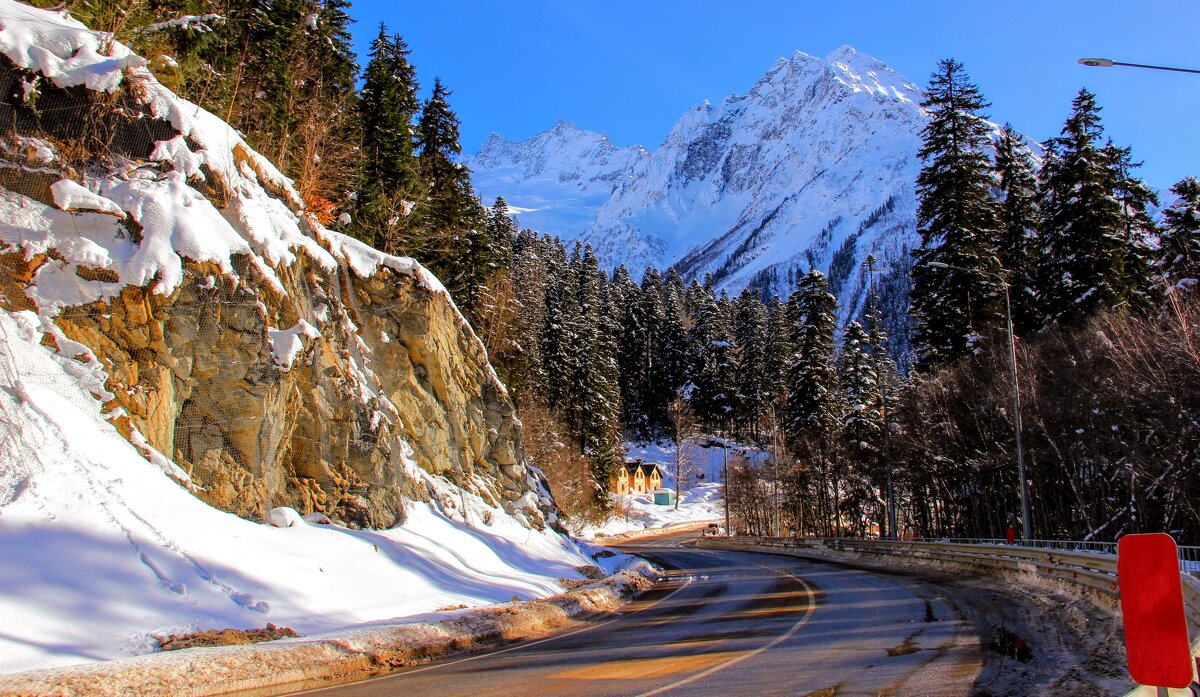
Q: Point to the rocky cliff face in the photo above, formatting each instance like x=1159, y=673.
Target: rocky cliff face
x=275, y=361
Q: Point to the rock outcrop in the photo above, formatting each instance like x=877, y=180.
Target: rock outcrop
x=276, y=362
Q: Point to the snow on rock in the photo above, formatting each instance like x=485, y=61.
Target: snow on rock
x=177, y=220
x=286, y=344
x=72, y=197
x=62, y=48
x=179, y=155
x=284, y=517
x=180, y=222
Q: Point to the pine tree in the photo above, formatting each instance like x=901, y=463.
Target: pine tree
x=449, y=196
x=811, y=415
x=491, y=302
x=778, y=354
x=388, y=105
x=501, y=236
x=521, y=369
x=1179, y=250
x=634, y=353
x=594, y=409
x=711, y=360
x=673, y=365
x=695, y=296
x=657, y=388
x=391, y=179
x=861, y=418
x=1138, y=228
x=958, y=223
x=453, y=238
x=1017, y=244
x=580, y=353
x=560, y=334
x=750, y=342
x=1083, y=229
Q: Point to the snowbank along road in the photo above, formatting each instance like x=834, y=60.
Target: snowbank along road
x=731, y=623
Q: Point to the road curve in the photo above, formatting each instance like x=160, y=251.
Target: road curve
x=728, y=623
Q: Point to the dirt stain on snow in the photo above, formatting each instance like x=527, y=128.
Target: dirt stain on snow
x=904, y=648
x=825, y=692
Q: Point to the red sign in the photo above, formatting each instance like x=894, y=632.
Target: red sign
x=1156, y=635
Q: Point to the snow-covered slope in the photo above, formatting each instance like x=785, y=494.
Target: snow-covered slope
x=814, y=167
x=556, y=180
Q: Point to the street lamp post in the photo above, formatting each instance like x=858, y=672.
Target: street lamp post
x=891, y=491
x=725, y=478
x=1108, y=63
x=1026, y=516
x=724, y=475
x=883, y=394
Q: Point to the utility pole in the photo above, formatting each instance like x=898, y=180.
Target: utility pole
x=881, y=375
x=725, y=480
x=1026, y=515
x=776, y=517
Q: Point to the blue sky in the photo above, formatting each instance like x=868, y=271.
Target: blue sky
x=630, y=69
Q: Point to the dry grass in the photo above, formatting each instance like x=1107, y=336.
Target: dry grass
x=225, y=637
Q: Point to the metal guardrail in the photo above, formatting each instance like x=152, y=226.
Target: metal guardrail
x=1189, y=557
x=1073, y=545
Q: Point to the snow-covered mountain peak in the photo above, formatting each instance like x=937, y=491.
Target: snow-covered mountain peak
x=784, y=74
x=861, y=72
x=563, y=127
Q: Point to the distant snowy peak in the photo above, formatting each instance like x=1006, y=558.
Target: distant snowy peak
x=564, y=148
x=556, y=180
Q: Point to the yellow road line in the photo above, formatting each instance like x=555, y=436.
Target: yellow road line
x=808, y=612
x=646, y=668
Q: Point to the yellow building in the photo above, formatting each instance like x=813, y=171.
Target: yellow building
x=637, y=477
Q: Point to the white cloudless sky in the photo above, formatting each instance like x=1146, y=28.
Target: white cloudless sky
x=631, y=68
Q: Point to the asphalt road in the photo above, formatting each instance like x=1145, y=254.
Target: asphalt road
x=728, y=623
